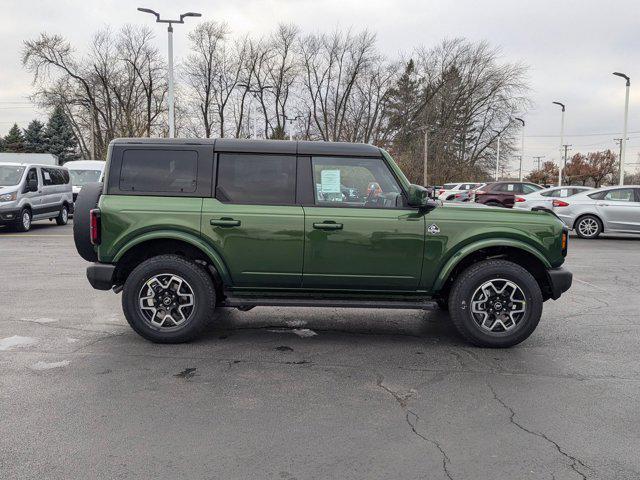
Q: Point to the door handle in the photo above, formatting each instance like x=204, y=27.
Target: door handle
x=224, y=222
x=328, y=226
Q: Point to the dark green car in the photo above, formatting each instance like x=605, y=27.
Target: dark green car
x=183, y=227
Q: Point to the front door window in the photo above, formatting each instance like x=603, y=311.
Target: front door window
x=351, y=182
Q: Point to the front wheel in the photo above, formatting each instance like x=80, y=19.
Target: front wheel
x=24, y=220
x=63, y=216
x=495, y=303
x=168, y=299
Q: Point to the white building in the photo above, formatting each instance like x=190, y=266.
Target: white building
x=37, y=158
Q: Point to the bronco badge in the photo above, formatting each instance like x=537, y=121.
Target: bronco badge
x=433, y=229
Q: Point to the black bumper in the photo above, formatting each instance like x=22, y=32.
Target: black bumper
x=9, y=216
x=559, y=281
x=100, y=276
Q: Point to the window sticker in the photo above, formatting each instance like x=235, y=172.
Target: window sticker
x=46, y=175
x=510, y=187
x=330, y=181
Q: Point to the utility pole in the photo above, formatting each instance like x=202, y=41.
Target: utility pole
x=561, y=139
x=170, y=95
x=623, y=148
x=426, y=156
x=521, y=148
x=538, y=158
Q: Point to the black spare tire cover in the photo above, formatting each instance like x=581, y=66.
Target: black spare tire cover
x=86, y=201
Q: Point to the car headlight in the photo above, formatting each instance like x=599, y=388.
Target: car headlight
x=8, y=197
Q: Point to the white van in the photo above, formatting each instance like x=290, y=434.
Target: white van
x=84, y=171
x=31, y=192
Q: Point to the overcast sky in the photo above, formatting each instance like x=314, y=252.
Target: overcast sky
x=571, y=47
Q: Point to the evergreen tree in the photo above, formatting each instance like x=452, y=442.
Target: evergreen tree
x=14, y=141
x=34, y=139
x=60, y=139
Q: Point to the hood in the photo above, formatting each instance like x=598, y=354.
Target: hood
x=7, y=189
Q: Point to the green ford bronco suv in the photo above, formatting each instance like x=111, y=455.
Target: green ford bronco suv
x=184, y=227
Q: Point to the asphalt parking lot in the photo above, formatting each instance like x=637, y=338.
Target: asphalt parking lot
x=310, y=393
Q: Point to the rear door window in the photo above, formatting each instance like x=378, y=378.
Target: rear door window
x=256, y=179
x=621, y=195
x=161, y=171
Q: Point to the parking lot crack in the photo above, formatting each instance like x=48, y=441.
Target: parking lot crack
x=411, y=418
x=575, y=463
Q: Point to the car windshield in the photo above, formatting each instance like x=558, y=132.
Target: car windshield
x=81, y=177
x=10, y=175
x=449, y=186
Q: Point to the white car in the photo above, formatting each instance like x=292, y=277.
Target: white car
x=84, y=171
x=544, y=198
x=449, y=190
x=610, y=210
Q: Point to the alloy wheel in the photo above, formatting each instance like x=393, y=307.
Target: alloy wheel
x=588, y=227
x=26, y=220
x=498, y=305
x=166, y=301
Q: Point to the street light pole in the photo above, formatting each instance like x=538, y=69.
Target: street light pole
x=291, y=120
x=623, y=148
x=497, y=157
x=560, y=169
x=170, y=95
x=521, y=148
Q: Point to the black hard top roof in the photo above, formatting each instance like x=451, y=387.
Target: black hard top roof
x=263, y=146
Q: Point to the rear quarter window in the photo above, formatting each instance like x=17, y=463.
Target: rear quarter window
x=162, y=171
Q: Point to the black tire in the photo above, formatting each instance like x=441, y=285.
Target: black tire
x=86, y=201
x=443, y=304
x=196, y=278
x=494, y=204
x=22, y=223
x=470, y=280
x=63, y=216
x=586, y=224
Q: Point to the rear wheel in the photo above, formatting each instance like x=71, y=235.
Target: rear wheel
x=588, y=227
x=23, y=223
x=63, y=216
x=494, y=204
x=168, y=299
x=495, y=303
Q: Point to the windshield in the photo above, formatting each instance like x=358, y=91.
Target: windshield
x=81, y=177
x=10, y=175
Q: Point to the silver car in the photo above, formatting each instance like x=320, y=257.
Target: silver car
x=544, y=198
x=34, y=192
x=609, y=209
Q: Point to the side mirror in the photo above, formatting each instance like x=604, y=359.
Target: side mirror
x=418, y=196
x=32, y=185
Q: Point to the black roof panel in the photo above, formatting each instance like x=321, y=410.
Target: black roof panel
x=263, y=146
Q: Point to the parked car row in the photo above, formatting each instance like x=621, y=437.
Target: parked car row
x=586, y=210
x=31, y=192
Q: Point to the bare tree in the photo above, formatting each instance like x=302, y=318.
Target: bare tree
x=116, y=90
x=332, y=65
x=201, y=71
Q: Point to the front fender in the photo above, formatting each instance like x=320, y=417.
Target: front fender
x=463, y=252
x=193, y=240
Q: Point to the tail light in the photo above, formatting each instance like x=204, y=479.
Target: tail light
x=457, y=195
x=441, y=191
x=520, y=199
x=565, y=240
x=95, y=233
x=560, y=203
